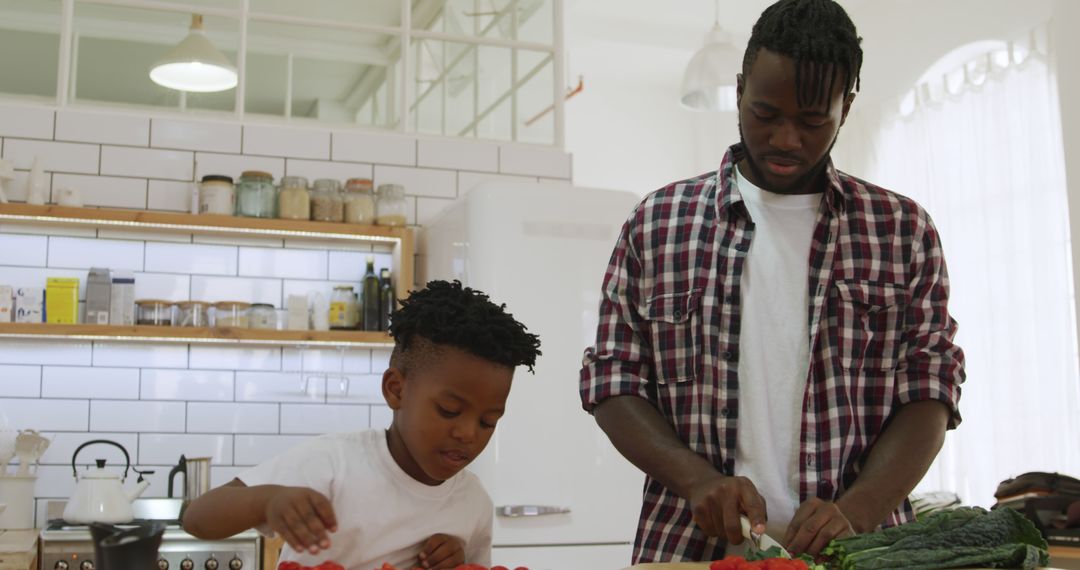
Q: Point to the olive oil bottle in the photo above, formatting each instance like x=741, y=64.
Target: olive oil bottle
x=371, y=297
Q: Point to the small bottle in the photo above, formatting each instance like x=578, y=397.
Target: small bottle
x=370, y=287
x=342, y=313
x=387, y=300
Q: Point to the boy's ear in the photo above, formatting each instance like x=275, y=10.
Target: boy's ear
x=393, y=387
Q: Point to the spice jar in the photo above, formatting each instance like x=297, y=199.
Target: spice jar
x=263, y=316
x=153, y=312
x=326, y=205
x=256, y=196
x=359, y=201
x=231, y=314
x=193, y=314
x=343, y=308
x=294, y=203
x=390, y=207
x=217, y=195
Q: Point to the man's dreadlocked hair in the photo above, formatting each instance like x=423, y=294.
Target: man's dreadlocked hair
x=447, y=314
x=820, y=37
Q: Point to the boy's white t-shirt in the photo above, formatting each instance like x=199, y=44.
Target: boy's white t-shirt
x=774, y=349
x=383, y=514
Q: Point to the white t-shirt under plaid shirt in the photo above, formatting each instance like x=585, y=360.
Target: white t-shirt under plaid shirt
x=879, y=333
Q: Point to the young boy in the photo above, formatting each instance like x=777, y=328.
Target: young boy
x=400, y=496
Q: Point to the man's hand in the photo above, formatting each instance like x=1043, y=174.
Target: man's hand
x=718, y=502
x=303, y=517
x=442, y=552
x=815, y=524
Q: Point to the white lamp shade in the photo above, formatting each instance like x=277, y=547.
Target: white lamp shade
x=195, y=65
x=709, y=81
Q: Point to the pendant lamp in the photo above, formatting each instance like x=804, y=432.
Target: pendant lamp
x=709, y=79
x=195, y=64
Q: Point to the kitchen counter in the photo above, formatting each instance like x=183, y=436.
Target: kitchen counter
x=705, y=566
x=18, y=549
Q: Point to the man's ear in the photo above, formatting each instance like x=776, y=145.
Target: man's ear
x=393, y=387
x=847, y=108
x=740, y=84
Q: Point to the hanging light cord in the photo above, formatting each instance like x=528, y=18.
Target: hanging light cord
x=717, y=13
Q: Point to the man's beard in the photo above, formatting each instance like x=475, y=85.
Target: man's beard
x=797, y=186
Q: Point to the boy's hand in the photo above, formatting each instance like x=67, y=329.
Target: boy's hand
x=302, y=517
x=442, y=552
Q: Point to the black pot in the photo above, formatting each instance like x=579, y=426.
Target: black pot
x=130, y=547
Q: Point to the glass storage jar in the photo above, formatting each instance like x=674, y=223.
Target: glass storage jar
x=217, y=195
x=232, y=314
x=256, y=196
x=193, y=314
x=154, y=312
x=359, y=201
x=344, y=312
x=263, y=316
x=390, y=207
x=326, y=204
x=294, y=203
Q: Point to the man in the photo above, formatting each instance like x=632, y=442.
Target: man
x=774, y=339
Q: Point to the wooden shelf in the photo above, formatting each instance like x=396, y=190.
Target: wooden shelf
x=142, y=220
x=193, y=335
x=199, y=224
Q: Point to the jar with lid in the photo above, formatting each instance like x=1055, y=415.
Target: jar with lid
x=193, y=314
x=256, y=196
x=390, y=207
x=262, y=316
x=343, y=308
x=154, y=312
x=359, y=201
x=326, y=204
x=232, y=314
x=294, y=203
x=217, y=195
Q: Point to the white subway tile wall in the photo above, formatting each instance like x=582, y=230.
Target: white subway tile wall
x=239, y=406
x=195, y=135
x=26, y=122
x=105, y=128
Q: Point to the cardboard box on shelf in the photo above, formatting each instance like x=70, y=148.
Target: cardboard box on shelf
x=122, y=298
x=29, y=305
x=62, y=300
x=98, y=295
x=7, y=303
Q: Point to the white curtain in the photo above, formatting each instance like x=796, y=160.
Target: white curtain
x=982, y=152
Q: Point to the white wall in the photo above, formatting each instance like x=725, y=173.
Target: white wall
x=238, y=405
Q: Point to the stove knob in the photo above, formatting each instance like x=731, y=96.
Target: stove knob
x=162, y=564
x=211, y=564
x=61, y=565
x=236, y=564
x=86, y=565
x=187, y=564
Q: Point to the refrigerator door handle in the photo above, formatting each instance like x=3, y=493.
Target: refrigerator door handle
x=514, y=511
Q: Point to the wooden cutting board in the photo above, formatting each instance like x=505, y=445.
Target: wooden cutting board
x=704, y=566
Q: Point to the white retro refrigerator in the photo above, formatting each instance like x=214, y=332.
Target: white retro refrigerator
x=565, y=499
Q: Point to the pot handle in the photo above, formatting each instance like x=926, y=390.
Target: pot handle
x=127, y=457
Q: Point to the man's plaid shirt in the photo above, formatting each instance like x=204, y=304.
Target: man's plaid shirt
x=880, y=334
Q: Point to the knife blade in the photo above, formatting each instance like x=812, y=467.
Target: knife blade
x=760, y=542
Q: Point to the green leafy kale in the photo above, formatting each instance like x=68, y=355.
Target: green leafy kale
x=948, y=539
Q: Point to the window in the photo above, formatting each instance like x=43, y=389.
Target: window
x=461, y=68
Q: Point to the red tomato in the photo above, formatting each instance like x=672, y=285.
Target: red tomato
x=289, y=565
x=499, y=568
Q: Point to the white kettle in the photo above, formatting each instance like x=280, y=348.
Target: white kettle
x=99, y=495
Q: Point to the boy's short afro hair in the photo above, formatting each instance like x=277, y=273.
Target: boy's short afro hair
x=448, y=314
